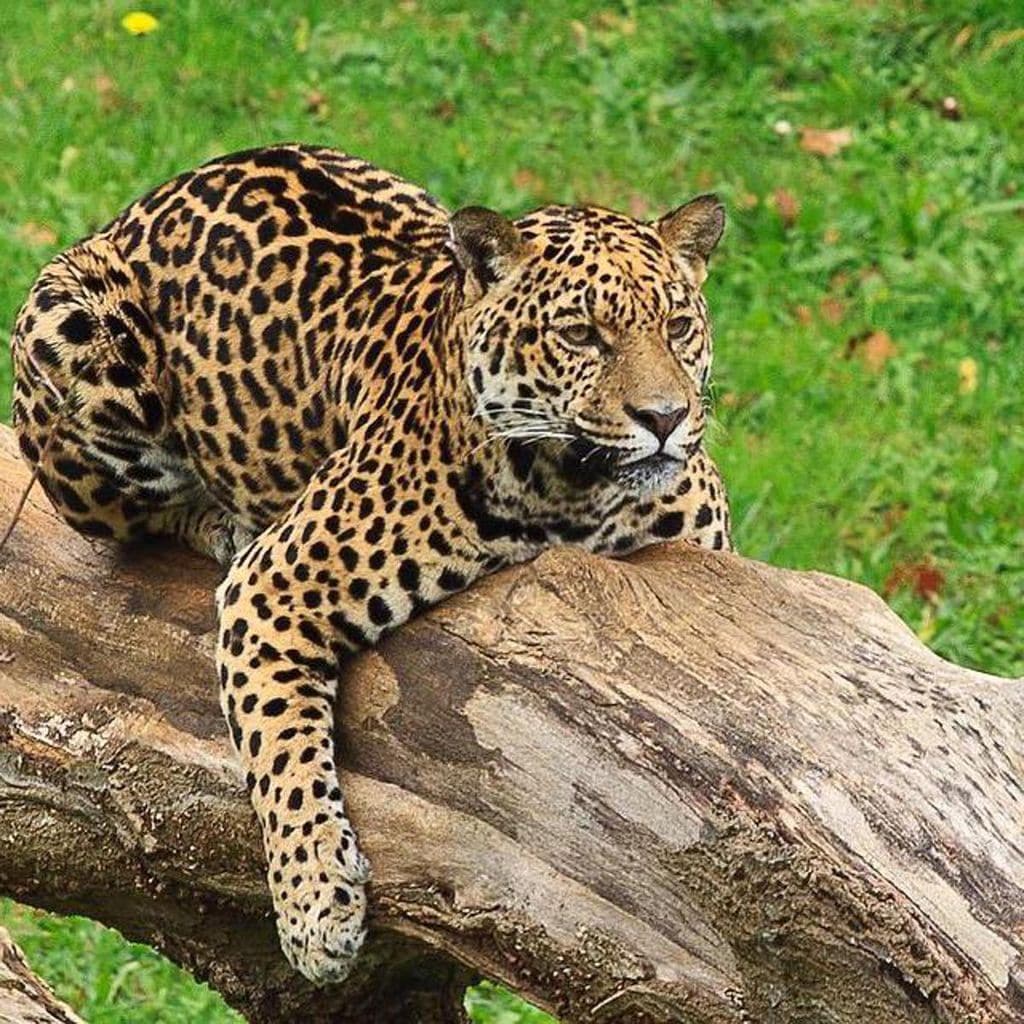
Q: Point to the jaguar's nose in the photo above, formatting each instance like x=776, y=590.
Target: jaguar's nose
x=660, y=422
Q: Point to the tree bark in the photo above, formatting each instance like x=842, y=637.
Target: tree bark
x=24, y=999
x=684, y=787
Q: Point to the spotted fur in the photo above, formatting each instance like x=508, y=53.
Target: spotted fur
x=305, y=367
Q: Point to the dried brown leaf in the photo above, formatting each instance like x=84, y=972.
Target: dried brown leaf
x=637, y=206
x=787, y=206
x=1003, y=39
x=612, y=21
x=106, y=89
x=738, y=400
x=963, y=37
x=874, y=349
x=528, y=181
x=36, y=234
x=894, y=515
x=445, y=110
x=832, y=309
x=826, y=142
x=316, y=103
x=923, y=578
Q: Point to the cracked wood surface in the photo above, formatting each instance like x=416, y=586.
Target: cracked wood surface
x=684, y=787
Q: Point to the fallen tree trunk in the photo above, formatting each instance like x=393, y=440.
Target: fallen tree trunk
x=24, y=999
x=686, y=787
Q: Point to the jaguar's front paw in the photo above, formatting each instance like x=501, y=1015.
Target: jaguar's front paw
x=319, y=889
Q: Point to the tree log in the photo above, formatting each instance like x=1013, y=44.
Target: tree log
x=24, y=999
x=682, y=787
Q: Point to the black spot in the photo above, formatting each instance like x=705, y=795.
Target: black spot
x=379, y=610
x=274, y=707
x=70, y=498
x=439, y=542
x=409, y=574
x=668, y=525
x=69, y=469
x=123, y=376
x=77, y=327
x=522, y=458
x=451, y=580
x=94, y=528
x=376, y=531
x=311, y=633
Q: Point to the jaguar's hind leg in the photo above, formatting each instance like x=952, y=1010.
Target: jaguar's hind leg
x=92, y=414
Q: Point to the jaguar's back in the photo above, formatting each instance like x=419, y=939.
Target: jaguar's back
x=194, y=336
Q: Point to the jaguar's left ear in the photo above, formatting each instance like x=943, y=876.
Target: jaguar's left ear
x=486, y=246
x=691, y=233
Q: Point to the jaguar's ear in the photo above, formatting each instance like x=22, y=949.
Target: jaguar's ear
x=486, y=245
x=691, y=233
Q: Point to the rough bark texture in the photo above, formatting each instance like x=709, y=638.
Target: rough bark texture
x=24, y=999
x=686, y=787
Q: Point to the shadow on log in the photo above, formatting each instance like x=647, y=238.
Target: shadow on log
x=685, y=787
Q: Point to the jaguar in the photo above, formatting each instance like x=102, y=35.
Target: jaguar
x=358, y=402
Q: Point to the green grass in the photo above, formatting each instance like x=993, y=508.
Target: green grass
x=915, y=229
x=108, y=980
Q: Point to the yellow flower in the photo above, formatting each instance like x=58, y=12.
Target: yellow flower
x=968, y=372
x=139, y=23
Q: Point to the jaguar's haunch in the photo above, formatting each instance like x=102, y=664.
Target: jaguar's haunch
x=305, y=367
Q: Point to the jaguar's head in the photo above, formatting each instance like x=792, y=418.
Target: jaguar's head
x=588, y=334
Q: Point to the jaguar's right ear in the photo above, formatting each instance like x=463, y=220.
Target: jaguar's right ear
x=486, y=246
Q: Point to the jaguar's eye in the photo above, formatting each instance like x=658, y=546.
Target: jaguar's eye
x=580, y=335
x=679, y=326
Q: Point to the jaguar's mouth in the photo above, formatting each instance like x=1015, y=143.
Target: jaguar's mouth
x=649, y=474
x=588, y=462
